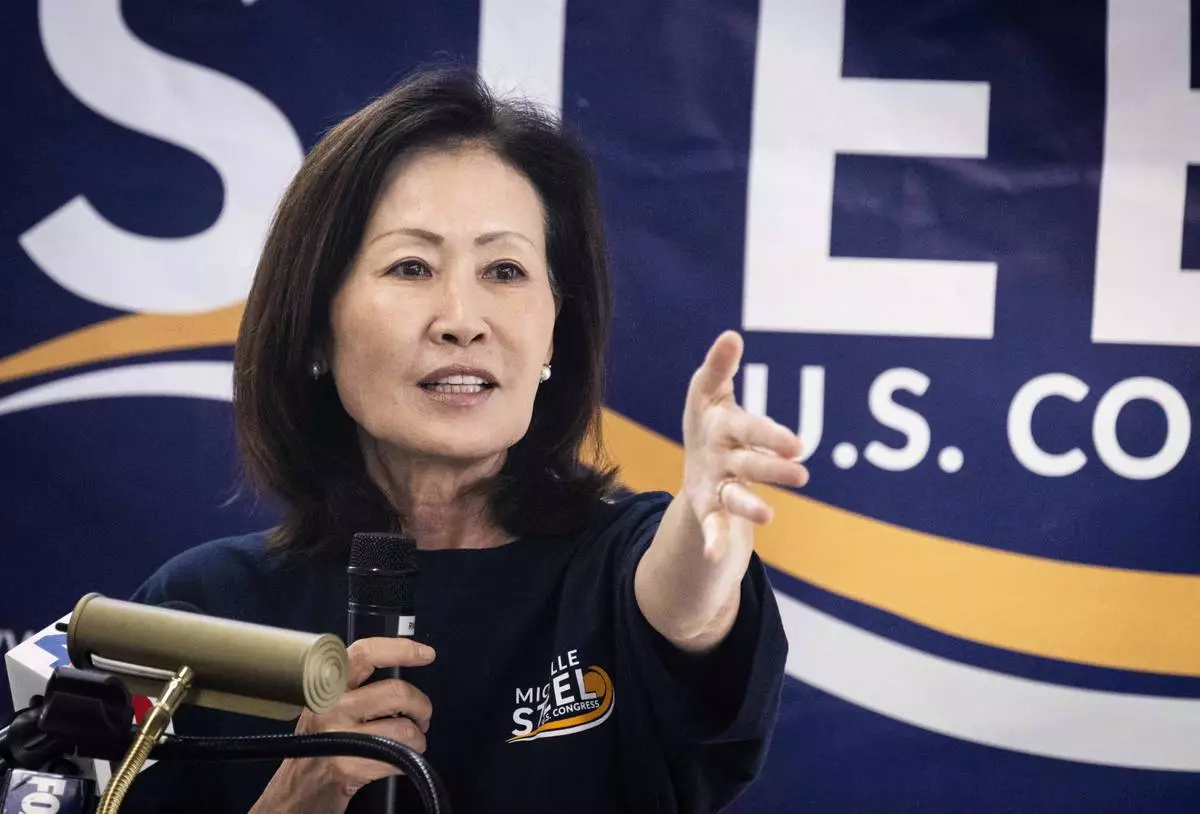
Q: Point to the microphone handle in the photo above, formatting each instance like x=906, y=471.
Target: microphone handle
x=381, y=795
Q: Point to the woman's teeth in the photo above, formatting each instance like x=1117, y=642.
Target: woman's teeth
x=438, y=387
x=458, y=384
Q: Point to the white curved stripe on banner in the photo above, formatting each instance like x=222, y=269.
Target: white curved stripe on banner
x=200, y=380
x=973, y=704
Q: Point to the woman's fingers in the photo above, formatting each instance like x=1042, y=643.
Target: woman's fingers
x=385, y=651
x=742, y=429
x=737, y=499
x=400, y=730
x=756, y=466
x=713, y=380
x=352, y=773
x=728, y=450
x=383, y=699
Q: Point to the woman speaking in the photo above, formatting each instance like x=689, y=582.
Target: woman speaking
x=422, y=349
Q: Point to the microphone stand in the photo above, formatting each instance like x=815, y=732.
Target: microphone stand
x=148, y=734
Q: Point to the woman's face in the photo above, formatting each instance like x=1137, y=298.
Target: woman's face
x=446, y=315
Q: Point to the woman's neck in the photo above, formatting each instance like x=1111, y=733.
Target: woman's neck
x=434, y=497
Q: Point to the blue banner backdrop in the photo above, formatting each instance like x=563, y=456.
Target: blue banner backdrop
x=957, y=235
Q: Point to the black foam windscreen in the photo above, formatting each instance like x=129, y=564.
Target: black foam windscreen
x=381, y=571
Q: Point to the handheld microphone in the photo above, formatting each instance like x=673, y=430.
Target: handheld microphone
x=381, y=577
x=382, y=580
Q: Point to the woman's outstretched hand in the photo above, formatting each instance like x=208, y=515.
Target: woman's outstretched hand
x=687, y=584
x=726, y=450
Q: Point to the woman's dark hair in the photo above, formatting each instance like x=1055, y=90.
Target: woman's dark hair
x=297, y=441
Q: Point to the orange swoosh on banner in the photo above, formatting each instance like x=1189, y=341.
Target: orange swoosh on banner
x=132, y=335
x=1109, y=617
x=581, y=719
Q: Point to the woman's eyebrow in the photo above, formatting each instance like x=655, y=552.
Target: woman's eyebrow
x=488, y=237
x=423, y=235
x=433, y=238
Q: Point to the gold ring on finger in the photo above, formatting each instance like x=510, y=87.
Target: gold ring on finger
x=721, y=489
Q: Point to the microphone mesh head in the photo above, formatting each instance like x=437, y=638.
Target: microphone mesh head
x=388, y=552
x=382, y=572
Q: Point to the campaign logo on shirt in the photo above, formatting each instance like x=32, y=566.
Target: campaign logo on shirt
x=576, y=698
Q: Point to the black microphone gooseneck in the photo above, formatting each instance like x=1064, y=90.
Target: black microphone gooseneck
x=382, y=577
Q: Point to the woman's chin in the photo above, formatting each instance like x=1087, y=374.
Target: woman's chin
x=455, y=448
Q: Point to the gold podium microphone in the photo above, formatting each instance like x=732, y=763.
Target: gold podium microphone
x=239, y=667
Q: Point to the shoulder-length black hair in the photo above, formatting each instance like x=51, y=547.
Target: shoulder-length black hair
x=296, y=439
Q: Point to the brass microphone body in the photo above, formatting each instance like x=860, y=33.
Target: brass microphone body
x=238, y=666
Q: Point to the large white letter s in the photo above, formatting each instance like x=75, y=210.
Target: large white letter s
x=239, y=131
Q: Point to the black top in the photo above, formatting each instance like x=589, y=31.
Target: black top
x=550, y=691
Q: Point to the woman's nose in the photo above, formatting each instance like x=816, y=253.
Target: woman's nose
x=458, y=319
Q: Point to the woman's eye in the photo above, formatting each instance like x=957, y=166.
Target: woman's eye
x=410, y=268
x=507, y=272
